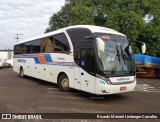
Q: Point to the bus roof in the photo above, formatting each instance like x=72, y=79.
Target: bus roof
x=95, y=29
x=92, y=28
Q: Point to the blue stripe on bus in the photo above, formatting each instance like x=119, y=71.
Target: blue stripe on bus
x=36, y=60
x=48, y=58
x=28, y=55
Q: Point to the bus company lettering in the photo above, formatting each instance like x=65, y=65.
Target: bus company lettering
x=21, y=60
x=122, y=79
x=60, y=58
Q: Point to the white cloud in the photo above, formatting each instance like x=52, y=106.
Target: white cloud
x=29, y=17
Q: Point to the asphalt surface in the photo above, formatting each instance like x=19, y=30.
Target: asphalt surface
x=30, y=95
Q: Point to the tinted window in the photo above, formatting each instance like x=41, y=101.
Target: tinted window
x=19, y=49
x=28, y=47
x=87, y=57
x=47, y=45
x=36, y=46
x=61, y=43
x=77, y=37
x=16, y=50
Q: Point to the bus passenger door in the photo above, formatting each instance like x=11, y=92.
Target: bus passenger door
x=87, y=70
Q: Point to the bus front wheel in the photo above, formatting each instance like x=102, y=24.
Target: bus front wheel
x=63, y=83
x=21, y=72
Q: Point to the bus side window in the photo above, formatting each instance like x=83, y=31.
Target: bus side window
x=19, y=49
x=61, y=43
x=16, y=52
x=36, y=46
x=77, y=37
x=47, y=45
x=28, y=47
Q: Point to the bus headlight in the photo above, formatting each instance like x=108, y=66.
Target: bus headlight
x=107, y=80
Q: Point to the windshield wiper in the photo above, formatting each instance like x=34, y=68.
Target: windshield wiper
x=118, y=54
x=114, y=69
x=128, y=56
x=119, y=59
x=105, y=72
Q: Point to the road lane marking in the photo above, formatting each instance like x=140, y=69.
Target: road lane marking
x=146, y=88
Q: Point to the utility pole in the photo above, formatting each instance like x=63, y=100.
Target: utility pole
x=17, y=37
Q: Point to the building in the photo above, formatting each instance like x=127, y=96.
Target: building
x=6, y=54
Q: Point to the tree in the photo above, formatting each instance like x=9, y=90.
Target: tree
x=125, y=16
x=151, y=35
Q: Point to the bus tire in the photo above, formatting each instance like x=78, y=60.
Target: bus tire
x=21, y=72
x=63, y=83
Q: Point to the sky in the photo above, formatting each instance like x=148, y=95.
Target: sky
x=27, y=17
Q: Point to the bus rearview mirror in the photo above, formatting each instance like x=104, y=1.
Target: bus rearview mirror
x=100, y=45
x=141, y=46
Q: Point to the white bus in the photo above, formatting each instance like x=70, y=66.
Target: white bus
x=93, y=59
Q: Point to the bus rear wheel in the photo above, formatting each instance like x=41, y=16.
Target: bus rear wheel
x=63, y=83
x=21, y=73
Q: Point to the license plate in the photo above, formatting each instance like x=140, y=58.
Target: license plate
x=123, y=88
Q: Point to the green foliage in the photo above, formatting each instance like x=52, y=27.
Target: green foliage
x=125, y=16
x=151, y=36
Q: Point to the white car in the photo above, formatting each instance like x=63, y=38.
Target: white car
x=1, y=64
x=8, y=63
x=1, y=61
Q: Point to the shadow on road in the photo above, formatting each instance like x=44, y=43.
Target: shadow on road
x=81, y=94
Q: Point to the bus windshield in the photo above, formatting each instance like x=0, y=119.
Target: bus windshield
x=116, y=55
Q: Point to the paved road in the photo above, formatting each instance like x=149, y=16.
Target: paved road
x=31, y=95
